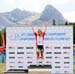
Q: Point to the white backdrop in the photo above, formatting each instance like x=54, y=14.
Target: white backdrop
x=58, y=48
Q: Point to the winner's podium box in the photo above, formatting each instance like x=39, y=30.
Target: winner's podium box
x=34, y=69
x=16, y=71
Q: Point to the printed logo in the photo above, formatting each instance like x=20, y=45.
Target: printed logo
x=48, y=57
x=20, y=66
x=57, y=67
x=29, y=57
x=48, y=52
x=29, y=47
x=20, y=47
x=66, y=52
x=11, y=62
x=20, y=52
x=66, y=57
x=29, y=62
x=66, y=47
x=11, y=52
x=66, y=71
x=12, y=66
x=20, y=62
x=66, y=62
x=47, y=47
x=12, y=57
x=66, y=67
x=57, y=62
x=20, y=57
x=57, y=52
x=57, y=47
x=29, y=52
x=11, y=47
x=48, y=62
x=57, y=57
x=40, y=61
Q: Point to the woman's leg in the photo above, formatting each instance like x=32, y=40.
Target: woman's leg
x=37, y=54
x=42, y=55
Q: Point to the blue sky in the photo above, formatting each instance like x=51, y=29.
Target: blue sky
x=66, y=7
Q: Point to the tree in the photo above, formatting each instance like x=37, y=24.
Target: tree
x=0, y=39
x=66, y=23
x=5, y=35
x=54, y=23
x=73, y=34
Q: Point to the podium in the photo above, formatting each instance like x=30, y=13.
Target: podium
x=32, y=69
x=40, y=69
x=16, y=71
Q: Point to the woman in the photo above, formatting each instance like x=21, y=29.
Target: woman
x=39, y=41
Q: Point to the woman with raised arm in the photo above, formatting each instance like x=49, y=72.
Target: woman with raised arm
x=39, y=41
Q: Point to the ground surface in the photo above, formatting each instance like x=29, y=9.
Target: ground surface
x=2, y=68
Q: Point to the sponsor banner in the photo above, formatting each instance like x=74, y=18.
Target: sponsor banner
x=54, y=47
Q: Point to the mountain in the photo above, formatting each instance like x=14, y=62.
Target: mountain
x=30, y=18
x=11, y=18
x=50, y=13
x=5, y=22
x=19, y=17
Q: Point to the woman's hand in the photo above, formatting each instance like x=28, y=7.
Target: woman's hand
x=46, y=24
x=30, y=23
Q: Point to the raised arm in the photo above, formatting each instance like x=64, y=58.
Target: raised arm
x=32, y=26
x=46, y=25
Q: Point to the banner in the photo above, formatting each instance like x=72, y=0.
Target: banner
x=53, y=47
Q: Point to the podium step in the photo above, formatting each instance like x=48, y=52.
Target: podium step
x=16, y=71
x=40, y=69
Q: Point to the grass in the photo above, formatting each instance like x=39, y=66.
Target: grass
x=2, y=68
